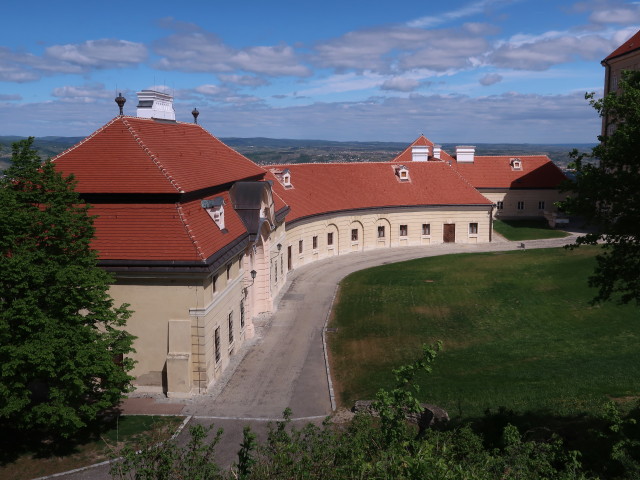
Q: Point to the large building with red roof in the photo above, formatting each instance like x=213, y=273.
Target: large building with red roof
x=200, y=238
x=625, y=57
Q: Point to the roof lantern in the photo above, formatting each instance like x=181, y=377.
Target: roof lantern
x=153, y=104
x=437, y=151
x=465, y=153
x=420, y=153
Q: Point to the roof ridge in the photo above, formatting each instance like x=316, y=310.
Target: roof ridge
x=85, y=139
x=152, y=156
x=187, y=227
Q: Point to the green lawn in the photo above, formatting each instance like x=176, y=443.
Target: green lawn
x=23, y=460
x=532, y=229
x=517, y=331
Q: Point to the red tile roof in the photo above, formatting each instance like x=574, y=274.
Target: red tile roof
x=137, y=155
x=168, y=231
x=629, y=46
x=331, y=187
x=538, y=171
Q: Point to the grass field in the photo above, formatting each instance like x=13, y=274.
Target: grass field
x=517, y=329
x=20, y=461
x=532, y=229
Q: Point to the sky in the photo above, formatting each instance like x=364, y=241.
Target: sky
x=465, y=71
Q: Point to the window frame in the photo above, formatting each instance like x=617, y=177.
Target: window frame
x=473, y=228
x=314, y=242
x=230, y=324
x=426, y=229
x=354, y=234
x=329, y=239
x=300, y=246
x=520, y=205
x=381, y=231
x=217, y=346
x=404, y=230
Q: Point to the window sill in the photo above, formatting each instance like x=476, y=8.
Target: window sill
x=473, y=235
x=426, y=236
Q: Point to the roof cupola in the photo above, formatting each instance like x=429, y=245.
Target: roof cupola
x=465, y=153
x=152, y=104
x=420, y=153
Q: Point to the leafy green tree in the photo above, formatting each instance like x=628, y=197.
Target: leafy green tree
x=61, y=339
x=606, y=193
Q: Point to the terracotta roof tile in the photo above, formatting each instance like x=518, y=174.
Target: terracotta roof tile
x=538, y=171
x=629, y=46
x=331, y=187
x=136, y=155
x=168, y=231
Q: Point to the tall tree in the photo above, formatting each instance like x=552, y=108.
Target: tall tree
x=61, y=339
x=606, y=191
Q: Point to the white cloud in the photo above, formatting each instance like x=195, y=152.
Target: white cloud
x=400, y=84
x=10, y=97
x=195, y=50
x=103, y=53
x=552, y=48
x=490, y=79
x=85, y=93
x=244, y=80
x=468, y=10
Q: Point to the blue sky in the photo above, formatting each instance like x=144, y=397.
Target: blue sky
x=512, y=71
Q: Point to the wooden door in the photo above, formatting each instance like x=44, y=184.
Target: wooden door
x=449, y=235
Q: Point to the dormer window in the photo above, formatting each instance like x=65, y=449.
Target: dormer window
x=283, y=176
x=215, y=209
x=516, y=164
x=402, y=173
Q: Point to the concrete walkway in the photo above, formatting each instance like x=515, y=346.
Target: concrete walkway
x=284, y=365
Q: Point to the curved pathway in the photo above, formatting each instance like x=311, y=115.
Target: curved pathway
x=284, y=365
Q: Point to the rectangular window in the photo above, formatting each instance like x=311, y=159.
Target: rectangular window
x=275, y=271
x=213, y=284
x=300, y=246
x=541, y=205
x=521, y=205
x=216, y=339
x=473, y=228
x=228, y=272
x=230, y=328
x=281, y=264
x=500, y=205
x=381, y=231
x=426, y=229
x=241, y=315
x=403, y=230
x=315, y=242
x=354, y=234
x=330, y=238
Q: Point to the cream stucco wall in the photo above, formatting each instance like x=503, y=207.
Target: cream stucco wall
x=366, y=223
x=531, y=199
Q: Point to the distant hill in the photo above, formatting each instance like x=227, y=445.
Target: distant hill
x=276, y=150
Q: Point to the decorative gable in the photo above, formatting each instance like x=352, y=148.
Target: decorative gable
x=215, y=209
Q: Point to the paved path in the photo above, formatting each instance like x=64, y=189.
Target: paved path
x=284, y=366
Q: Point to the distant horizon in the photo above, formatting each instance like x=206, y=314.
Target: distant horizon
x=399, y=142
x=486, y=71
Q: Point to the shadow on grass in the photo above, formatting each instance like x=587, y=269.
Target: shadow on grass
x=608, y=446
x=15, y=443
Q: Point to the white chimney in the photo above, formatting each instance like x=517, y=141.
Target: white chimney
x=152, y=104
x=437, y=149
x=420, y=153
x=465, y=153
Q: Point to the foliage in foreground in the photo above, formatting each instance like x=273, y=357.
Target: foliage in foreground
x=59, y=330
x=389, y=448
x=606, y=193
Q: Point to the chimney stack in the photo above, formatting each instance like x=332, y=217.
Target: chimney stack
x=419, y=153
x=152, y=104
x=437, y=150
x=465, y=153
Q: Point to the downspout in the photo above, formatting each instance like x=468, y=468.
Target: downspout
x=491, y=223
